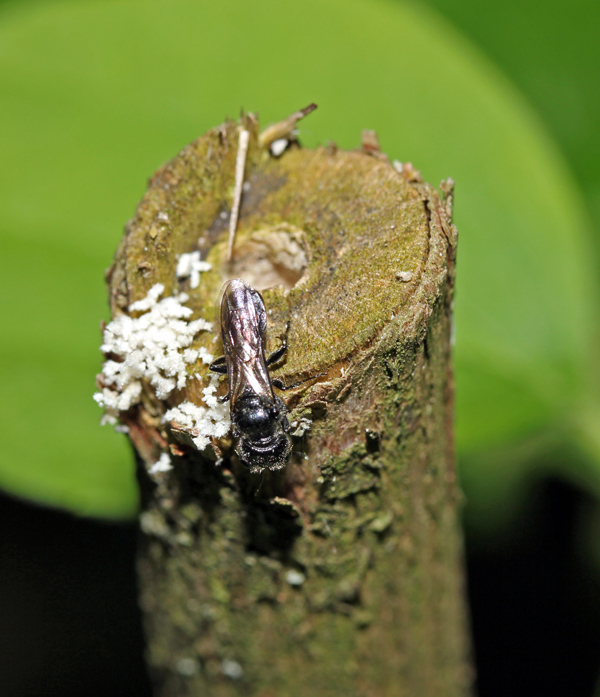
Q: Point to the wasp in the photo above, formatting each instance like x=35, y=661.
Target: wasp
x=258, y=415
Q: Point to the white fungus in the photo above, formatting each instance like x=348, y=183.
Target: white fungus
x=295, y=578
x=232, y=669
x=152, y=347
x=202, y=422
x=191, y=266
x=301, y=426
x=163, y=464
x=187, y=667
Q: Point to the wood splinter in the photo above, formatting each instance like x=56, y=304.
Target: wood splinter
x=266, y=138
x=240, y=165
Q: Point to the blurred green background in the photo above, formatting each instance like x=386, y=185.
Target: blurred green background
x=503, y=97
x=95, y=96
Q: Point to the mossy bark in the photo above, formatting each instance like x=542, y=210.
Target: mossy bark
x=342, y=574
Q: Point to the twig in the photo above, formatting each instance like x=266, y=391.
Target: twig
x=283, y=128
x=240, y=164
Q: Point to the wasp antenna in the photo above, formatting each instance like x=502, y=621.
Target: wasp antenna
x=282, y=386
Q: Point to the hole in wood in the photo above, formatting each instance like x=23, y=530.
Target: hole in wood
x=276, y=255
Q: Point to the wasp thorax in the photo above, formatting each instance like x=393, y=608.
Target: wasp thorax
x=255, y=419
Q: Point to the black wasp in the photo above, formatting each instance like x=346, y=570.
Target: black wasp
x=258, y=415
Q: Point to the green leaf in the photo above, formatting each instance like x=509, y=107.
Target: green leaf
x=522, y=37
x=97, y=95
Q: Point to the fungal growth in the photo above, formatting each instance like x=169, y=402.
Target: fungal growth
x=152, y=345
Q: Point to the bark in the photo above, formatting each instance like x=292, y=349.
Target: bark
x=342, y=574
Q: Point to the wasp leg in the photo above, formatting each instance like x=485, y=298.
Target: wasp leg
x=219, y=366
x=277, y=355
x=280, y=386
x=285, y=424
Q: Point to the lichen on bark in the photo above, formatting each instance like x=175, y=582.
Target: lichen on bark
x=341, y=574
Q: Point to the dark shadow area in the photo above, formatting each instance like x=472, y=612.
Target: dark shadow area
x=534, y=595
x=69, y=622
x=70, y=626
x=272, y=521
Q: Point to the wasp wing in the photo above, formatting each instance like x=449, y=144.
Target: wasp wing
x=243, y=330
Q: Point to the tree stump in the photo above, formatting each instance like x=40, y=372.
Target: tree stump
x=342, y=573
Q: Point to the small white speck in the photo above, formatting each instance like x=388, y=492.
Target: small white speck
x=279, y=146
x=149, y=301
x=246, y=186
x=191, y=266
x=163, y=215
x=153, y=525
x=122, y=428
x=163, y=464
x=224, y=215
x=301, y=426
x=107, y=419
x=187, y=667
x=392, y=227
x=404, y=276
x=232, y=669
x=295, y=578
x=398, y=166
